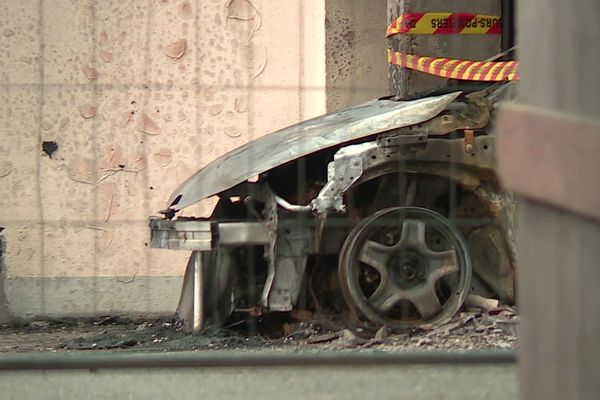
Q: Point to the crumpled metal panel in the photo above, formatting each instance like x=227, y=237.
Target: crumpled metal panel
x=304, y=138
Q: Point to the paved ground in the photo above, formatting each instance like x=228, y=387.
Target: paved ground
x=112, y=337
x=396, y=382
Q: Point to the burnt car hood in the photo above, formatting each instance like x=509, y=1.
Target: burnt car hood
x=299, y=140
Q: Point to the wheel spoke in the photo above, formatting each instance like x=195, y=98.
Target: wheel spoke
x=413, y=234
x=376, y=255
x=441, y=263
x=425, y=300
x=385, y=296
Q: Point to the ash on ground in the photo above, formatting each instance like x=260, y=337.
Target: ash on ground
x=492, y=329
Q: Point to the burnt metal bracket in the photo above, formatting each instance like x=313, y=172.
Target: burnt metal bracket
x=474, y=114
x=352, y=162
x=399, y=139
x=346, y=168
x=469, y=141
x=294, y=244
x=198, y=302
x=270, y=214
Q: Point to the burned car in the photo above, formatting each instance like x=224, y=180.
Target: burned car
x=388, y=212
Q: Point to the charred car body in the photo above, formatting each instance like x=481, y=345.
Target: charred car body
x=391, y=208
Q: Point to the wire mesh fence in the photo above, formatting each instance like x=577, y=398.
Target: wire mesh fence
x=387, y=213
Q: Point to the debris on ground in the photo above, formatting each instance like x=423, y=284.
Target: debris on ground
x=349, y=340
x=484, y=303
x=477, y=328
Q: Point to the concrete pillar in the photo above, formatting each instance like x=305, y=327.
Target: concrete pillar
x=466, y=47
x=355, y=52
x=548, y=153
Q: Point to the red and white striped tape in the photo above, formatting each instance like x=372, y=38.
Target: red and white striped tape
x=445, y=24
x=458, y=69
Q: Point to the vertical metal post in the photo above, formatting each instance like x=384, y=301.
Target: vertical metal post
x=508, y=28
x=198, y=293
x=558, y=252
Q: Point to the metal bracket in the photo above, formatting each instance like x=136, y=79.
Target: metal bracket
x=469, y=141
x=350, y=162
x=472, y=115
x=294, y=241
x=198, y=307
x=270, y=214
x=399, y=139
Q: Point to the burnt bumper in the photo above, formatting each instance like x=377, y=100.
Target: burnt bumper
x=205, y=235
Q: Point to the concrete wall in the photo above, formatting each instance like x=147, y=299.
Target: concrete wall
x=137, y=96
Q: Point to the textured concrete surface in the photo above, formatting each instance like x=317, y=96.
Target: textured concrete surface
x=137, y=95
x=356, y=54
x=399, y=382
x=84, y=296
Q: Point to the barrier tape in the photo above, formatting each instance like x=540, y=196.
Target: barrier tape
x=445, y=24
x=458, y=69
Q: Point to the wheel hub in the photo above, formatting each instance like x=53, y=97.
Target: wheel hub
x=407, y=268
x=408, y=272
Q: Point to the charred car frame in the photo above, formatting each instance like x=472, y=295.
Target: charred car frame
x=392, y=206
